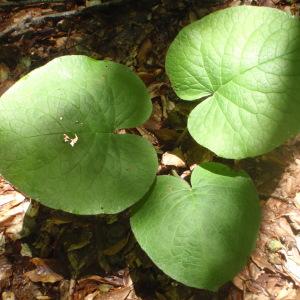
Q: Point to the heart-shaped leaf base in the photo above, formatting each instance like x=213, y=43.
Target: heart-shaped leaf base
x=58, y=139
x=200, y=236
x=247, y=60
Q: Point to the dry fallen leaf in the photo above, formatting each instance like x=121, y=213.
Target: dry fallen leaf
x=155, y=121
x=156, y=89
x=106, y=288
x=274, y=268
x=144, y=51
x=8, y=296
x=4, y=72
x=42, y=272
x=13, y=206
x=147, y=135
x=174, y=158
x=116, y=248
x=5, y=272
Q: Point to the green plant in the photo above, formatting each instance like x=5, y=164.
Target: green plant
x=59, y=144
x=246, y=61
x=59, y=141
x=200, y=235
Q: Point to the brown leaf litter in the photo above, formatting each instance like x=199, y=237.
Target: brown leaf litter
x=273, y=271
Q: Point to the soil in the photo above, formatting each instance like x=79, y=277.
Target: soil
x=48, y=254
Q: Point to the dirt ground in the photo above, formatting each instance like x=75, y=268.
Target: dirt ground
x=47, y=254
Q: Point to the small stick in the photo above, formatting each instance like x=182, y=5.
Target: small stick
x=266, y=197
x=25, y=24
x=11, y=4
x=36, y=21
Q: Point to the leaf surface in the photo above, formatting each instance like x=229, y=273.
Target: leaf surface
x=58, y=141
x=247, y=61
x=201, y=235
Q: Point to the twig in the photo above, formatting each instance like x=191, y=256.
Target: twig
x=104, y=6
x=7, y=5
x=26, y=23
x=266, y=197
x=72, y=288
x=10, y=4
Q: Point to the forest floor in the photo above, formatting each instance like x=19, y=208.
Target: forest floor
x=47, y=254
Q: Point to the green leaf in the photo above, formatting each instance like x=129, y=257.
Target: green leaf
x=200, y=236
x=72, y=97
x=247, y=60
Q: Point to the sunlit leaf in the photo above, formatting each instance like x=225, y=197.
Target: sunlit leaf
x=247, y=61
x=59, y=141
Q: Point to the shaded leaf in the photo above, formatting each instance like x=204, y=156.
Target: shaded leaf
x=200, y=235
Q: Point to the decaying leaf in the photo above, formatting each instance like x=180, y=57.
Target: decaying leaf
x=5, y=272
x=13, y=206
x=43, y=272
x=8, y=296
x=274, y=269
x=4, y=72
x=144, y=51
x=174, y=158
x=106, y=288
x=114, y=249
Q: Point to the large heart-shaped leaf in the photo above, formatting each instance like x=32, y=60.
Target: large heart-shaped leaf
x=247, y=60
x=58, y=140
x=200, y=236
